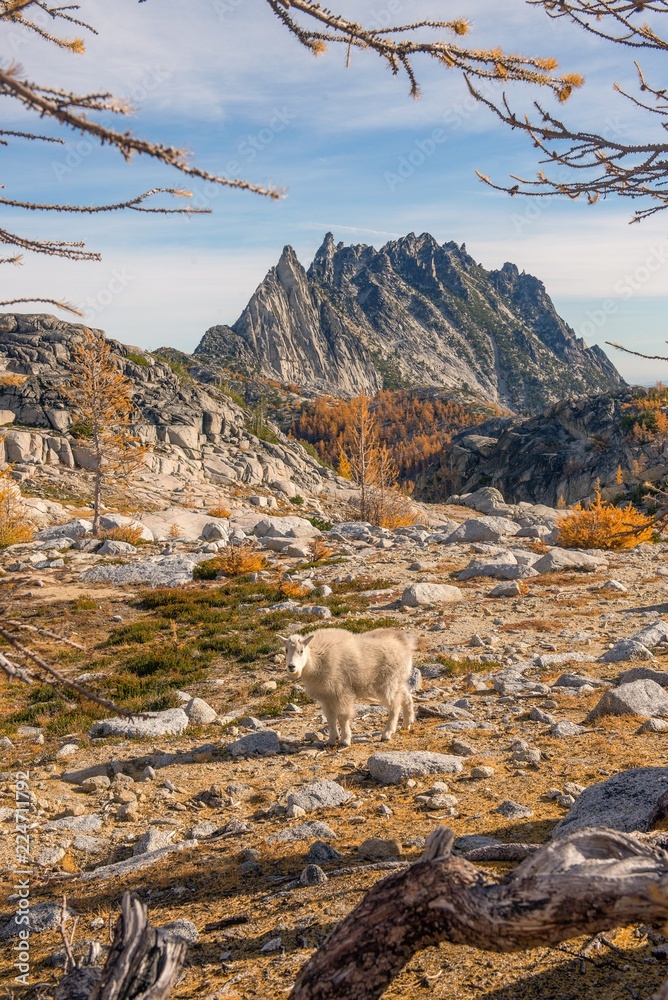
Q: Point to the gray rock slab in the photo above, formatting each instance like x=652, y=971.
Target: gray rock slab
x=514, y=810
x=632, y=800
x=171, y=722
x=625, y=650
x=645, y=698
x=644, y=674
x=651, y=635
x=313, y=829
x=484, y=529
x=135, y=864
x=394, y=767
x=111, y=547
x=319, y=795
x=557, y=560
x=158, y=571
x=577, y=681
x=419, y=594
x=82, y=824
x=153, y=840
x=262, y=741
x=565, y=729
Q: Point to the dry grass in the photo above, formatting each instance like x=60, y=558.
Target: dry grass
x=125, y=533
x=603, y=526
x=11, y=378
x=15, y=524
x=534, y=625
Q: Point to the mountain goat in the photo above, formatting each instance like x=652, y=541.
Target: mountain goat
x=337, y=667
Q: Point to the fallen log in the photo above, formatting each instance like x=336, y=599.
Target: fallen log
x=590, y=881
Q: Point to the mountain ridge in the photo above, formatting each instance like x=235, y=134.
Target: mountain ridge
x=413, y=314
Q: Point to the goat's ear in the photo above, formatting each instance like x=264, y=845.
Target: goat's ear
x=307, y=639
x=283, y=639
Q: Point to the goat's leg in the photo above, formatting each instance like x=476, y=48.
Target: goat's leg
x=407, y=709
x=332, y=725
x=393, y=711
x=346, y=716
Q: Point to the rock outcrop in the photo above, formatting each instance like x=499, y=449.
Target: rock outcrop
x=192, y=431
x=558, y=454
x=414, y=313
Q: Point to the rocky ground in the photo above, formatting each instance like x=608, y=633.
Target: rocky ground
x=226, y=812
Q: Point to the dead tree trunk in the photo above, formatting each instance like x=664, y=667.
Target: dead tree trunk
x=143, y=963
x=591, y=881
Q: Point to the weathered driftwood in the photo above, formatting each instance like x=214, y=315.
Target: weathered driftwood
x=591, y=881
x=143, y=963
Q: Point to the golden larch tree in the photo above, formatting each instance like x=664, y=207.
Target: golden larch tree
x=101, y=398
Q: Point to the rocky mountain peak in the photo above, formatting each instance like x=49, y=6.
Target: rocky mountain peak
x=412, y=313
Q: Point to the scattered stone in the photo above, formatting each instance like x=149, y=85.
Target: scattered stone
x=181, y=930
x=394, y=767
x=514, y=810
x=199, y=712
x=645, y=698
x=538, y=715
x=319, y=795
x=134, y=864
x=153, y=840
x=653, y=726
x=626, y=649
x=264, y=741
x=41, y=917
x=379, y=849
x=509, y=589
x=565, y=729
x=82, y=824
x=484, y=529
x=482, y=771
x=644, y=674
x=321, y=853
x=651, y=635
x=419, y=594
x=312, y=875
x=67, y=750
x=113, y=548
x=48, y=857
x=200, y=831
x=274, y=945
x=632, y=800
x=99, y=783
x=313, y=828
x=557, y=560
x=616, y=586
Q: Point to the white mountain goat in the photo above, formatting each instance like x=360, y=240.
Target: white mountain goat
x=337, y=668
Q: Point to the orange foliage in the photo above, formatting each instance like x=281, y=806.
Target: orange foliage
x=603, y=526
x=414, y=427
x=219, y=512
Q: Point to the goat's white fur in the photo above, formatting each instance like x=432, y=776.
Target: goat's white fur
x=338, y=667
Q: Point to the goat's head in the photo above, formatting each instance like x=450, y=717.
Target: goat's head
x=296, y=652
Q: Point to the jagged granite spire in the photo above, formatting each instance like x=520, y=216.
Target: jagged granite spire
x=414, y=313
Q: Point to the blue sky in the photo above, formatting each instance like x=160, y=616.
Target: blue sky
x=354, y=152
